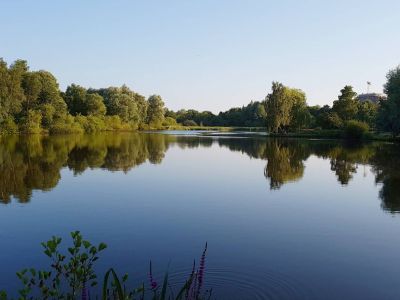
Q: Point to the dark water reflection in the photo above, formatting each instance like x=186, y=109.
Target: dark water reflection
x=284, y=218
x=30, y=163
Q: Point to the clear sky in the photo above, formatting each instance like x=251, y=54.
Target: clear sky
x=208, y=54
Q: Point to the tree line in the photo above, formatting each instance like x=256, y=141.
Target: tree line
x=32, y=102
x=285, y=109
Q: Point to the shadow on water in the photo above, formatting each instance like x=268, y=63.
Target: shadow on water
x=34, y=162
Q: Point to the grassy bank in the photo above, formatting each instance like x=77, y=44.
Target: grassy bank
x=215, y=128
x=334, y=134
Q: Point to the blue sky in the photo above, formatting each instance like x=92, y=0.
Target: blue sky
x=208, y=54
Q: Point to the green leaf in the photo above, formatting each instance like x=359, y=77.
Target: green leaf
x=164, y=287
x=47, y=252
x=116, y=282
x=102, y=246
x=86, y=244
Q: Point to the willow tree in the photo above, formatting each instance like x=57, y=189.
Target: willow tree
x=286, y=108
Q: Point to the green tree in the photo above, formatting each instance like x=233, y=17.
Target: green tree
x=32, y=86
x=367, y=112
x=50, y=93
x=16, y=95
x=278, y=108
x=389, y=112
x=155, y=111
x=75, y=98
x=286, y=108
x=95, y=105
x=347, y=105
x=4, y=90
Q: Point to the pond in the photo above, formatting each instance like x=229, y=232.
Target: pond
x=283, y=218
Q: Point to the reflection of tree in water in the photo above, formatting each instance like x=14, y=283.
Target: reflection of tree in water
x=29, y=163
x=284, y=162
x=34, y=162
x=284, y=157
x=386, y=162
x=346, y=157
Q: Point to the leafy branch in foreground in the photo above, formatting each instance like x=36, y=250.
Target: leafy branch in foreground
x=68, y=276
x=72, y=276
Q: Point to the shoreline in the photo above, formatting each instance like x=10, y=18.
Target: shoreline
x=306, y=134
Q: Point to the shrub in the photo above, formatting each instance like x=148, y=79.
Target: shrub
x=189, y=123
x=91, y=124
x=65, y=125
x=113, y=122
x=8, y=126
x=168, y=121
x=355, y=129
x=48, y=112
x=331, y=120
x=31, y=123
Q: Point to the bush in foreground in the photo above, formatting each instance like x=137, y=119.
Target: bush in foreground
x=72, y=276
x=355, y=129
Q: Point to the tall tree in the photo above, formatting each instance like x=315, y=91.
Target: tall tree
x=75, y=97
x=32, y=86
x=285, y=107
x=347, y=105
x=4, y=90
x=16, y=93
x=155, y=111
x=389, y=113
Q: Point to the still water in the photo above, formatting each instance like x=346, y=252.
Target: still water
x=284, y=219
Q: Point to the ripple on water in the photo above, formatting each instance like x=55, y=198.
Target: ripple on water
x=233, y=284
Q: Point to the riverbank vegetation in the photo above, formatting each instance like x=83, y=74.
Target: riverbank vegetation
x=32, y=102
x=72, y=276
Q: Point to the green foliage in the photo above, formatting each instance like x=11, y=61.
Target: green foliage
x=71, y=276
x=347, y=105
x=389, y=112
x=48, y=112
x=115, y=123
x=31, y=123
x=169, y=121
x=331, y=120
x=367, y=112
x=8, y=126
x=75, y=98
x=95, y=105
x=91, y=124
x=155, y=111
x=25, y=93
x=355, y=129
x=66, y=124
x=286, y=108
x=189, y=123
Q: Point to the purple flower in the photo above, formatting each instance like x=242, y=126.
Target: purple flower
x=85, y=292
x=201, y=270
x=153, y=283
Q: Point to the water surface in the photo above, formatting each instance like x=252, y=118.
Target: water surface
x=283, y=218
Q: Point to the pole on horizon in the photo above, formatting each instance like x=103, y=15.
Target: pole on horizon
x=368, y=85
